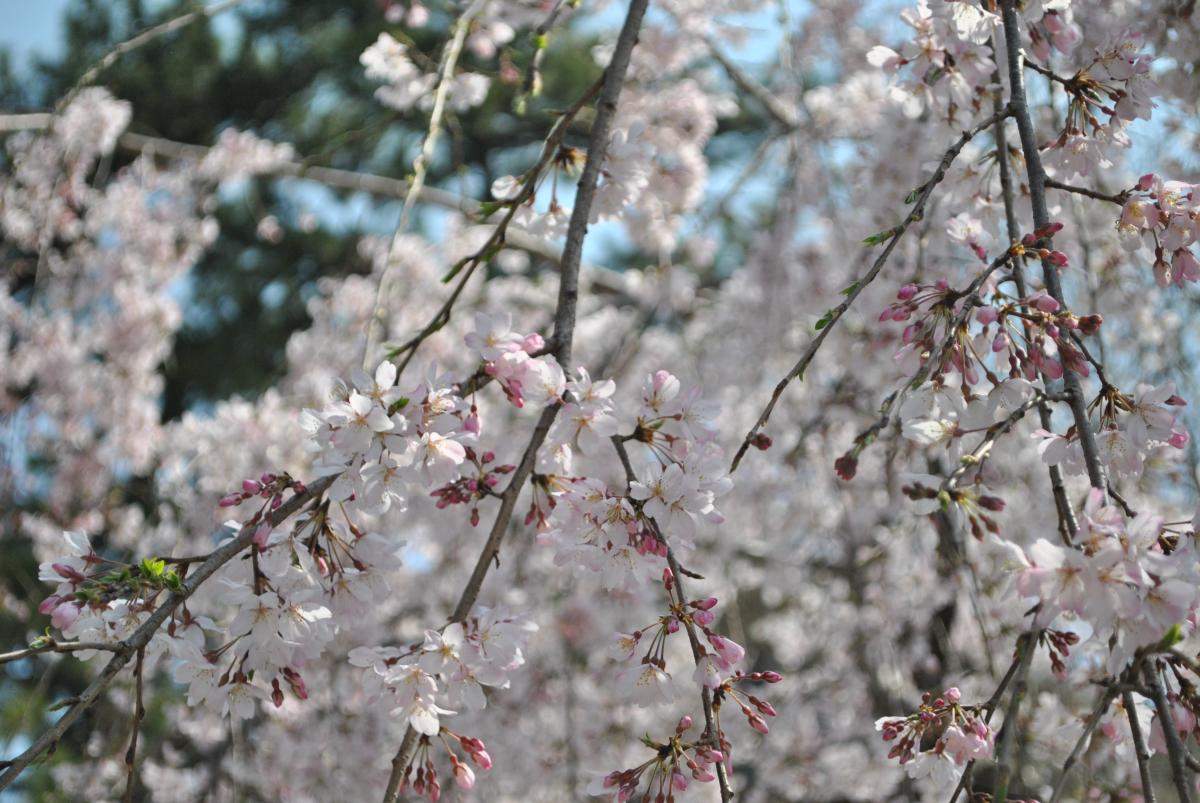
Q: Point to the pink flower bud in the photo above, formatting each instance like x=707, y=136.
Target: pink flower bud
x=685, y=724
x=230, y=500
x=64, y=615
x=953, y=694
x=907, y=292
x=679, y=781
x=261, y=534
x=1000, y=342
x=464, y=776
x=49, y=604
x=758, y=723
x=533, y=343
x=1179, y=439
x=987, y=314
x=251, y=486
x=672, y=625
x=1146, y=181
x=771, y=677
x=1058, y=259
x=1045, y=302
x=704, y=617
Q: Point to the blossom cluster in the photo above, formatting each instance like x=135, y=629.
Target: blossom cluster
x=1165, y=216
x=938, y=740
x=1130, y=581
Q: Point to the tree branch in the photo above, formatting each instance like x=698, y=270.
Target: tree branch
x=125, y=650
x=564, y=328
x=893, y=236
x=1041, y=219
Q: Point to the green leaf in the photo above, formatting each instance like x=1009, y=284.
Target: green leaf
x=458, y=266
x=912, y=197
x=153, y=568
x=398, y=405
x=850, y=288
x=880, y=237
x=172, y=581
x=1172, y=637
x=825, y=319
x=944, y=500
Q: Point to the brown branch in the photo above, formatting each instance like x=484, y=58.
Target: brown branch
x=50, y=645
x=1176, y=752
x=1119, y=199
x=1139, y=747
x=1041, y=219
x=125, y=650
x=893, y=236
x=564, y=329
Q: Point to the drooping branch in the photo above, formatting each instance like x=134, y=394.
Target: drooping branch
x=564, y=329
x=428, y=146
x=892, y=237
x=602, y=278
x=1041, y=219
x=1067, y=525
x=1140, y=750
x=1106, y=698
x=133, y=43
x=711, y=732
x=126, y=650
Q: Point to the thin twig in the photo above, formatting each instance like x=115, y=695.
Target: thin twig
x=139, y=713
x=1106, y=698
x=711, y=733
x=1119, y=199
x=1067, y=524
x=421, y=165
x=1027, y=646
x=133, y=43
x=56, y=646
x=893, y=236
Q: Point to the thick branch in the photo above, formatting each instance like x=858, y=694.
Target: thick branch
x=1041, y=219
x=1176, y=752
x=564, y=328
x=1139, y=748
